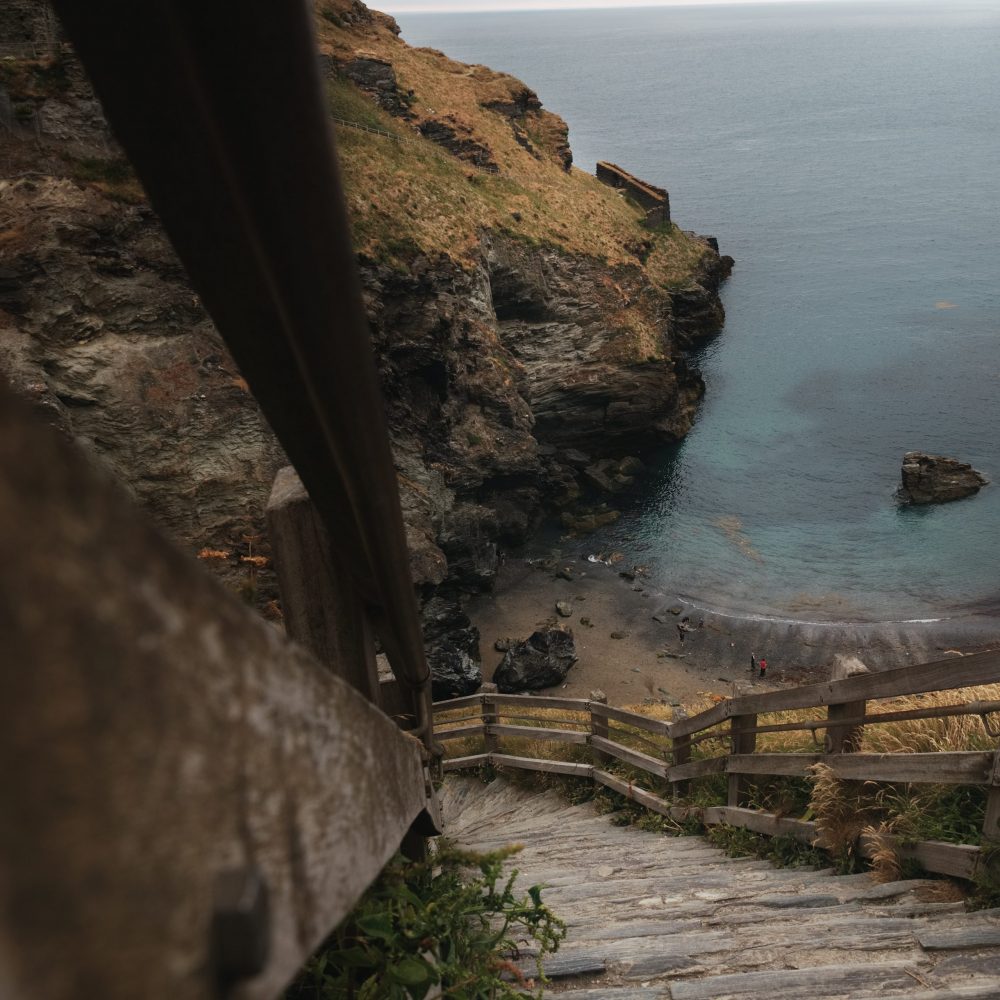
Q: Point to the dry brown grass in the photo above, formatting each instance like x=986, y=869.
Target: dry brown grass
x=960, y=732
x=413, y=194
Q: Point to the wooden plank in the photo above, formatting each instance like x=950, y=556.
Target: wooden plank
x=951, y=938
x=696, y=769
x=547, y=766
x=870, y=719
x=635, y=793
x=156, y=733
x=538, y=733
x=940, y=675
x=460, y=763
x=957, y=860
x=703, y=720
x=631, y=718
x=680, y=749
x=817, y=981
x=640, y=760
x=845, y=737
x=959, y=768
x=599, y=728
x=537, y=701
x=761, y=822
x=793, y=764
x=449, y=706
x=459, y=732
x=274, y=302
x=489, y=715
x=320, y=602
x=991, y=823
x=743, y=741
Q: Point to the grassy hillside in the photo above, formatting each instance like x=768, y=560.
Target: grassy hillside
x=413, y=194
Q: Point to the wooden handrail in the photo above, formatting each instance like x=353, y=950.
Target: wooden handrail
x=174, y=767
x=940, y=675
x=226, y=124
x=157, y=739
x=847, y=715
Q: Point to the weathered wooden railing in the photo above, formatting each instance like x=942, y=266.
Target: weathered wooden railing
x=191, y=803
x=733, y=724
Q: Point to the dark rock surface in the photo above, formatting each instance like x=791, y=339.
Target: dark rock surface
x=457, y=139
x=452, y=648
x=377, y=78
x=937, y=479
x=540, y=661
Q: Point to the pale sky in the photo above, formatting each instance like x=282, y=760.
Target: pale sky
x=422, y=6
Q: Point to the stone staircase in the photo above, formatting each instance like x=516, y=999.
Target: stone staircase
x=672, y=918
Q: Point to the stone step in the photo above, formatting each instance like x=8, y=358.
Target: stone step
x=653, y=916
x=792, y=984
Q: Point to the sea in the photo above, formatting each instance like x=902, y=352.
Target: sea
x=847, y=155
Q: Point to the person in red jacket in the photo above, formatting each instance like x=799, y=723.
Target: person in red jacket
x=763, y=667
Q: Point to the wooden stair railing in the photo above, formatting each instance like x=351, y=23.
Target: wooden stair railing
x=159, y=739
x=224, y=118
x=733, y=726
x=191, y=804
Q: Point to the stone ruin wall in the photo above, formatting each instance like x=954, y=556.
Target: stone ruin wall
x=656, y=201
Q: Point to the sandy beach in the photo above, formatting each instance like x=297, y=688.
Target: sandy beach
x=629, y=646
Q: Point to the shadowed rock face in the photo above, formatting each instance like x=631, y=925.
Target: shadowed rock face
x=936, y=479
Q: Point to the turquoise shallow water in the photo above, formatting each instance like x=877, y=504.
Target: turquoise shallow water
x=848, y=156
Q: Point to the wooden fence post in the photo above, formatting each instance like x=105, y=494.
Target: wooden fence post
x=490, y=717
x=321, y=607
x=991, y=826
x=741, y=742
x=681, y=754
x=598, y=726
x=847, y=738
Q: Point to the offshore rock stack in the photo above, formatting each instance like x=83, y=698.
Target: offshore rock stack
x=937, y=479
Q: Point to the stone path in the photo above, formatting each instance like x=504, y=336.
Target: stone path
x=671, y=918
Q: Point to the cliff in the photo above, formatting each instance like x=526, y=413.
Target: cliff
x=520, y=309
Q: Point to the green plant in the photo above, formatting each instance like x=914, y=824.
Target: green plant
x=452, y=921
x=785, y=852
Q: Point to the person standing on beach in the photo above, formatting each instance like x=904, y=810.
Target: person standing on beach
x=753, y=665
x=763, y=667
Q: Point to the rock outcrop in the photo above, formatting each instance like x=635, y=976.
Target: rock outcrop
x=520, y=340
x=540, y=661
x=936, y=479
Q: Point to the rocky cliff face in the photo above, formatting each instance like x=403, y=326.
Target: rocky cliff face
x=517, y=318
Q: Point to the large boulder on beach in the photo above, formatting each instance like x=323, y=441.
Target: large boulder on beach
x=937, y=479
x=540, y=661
